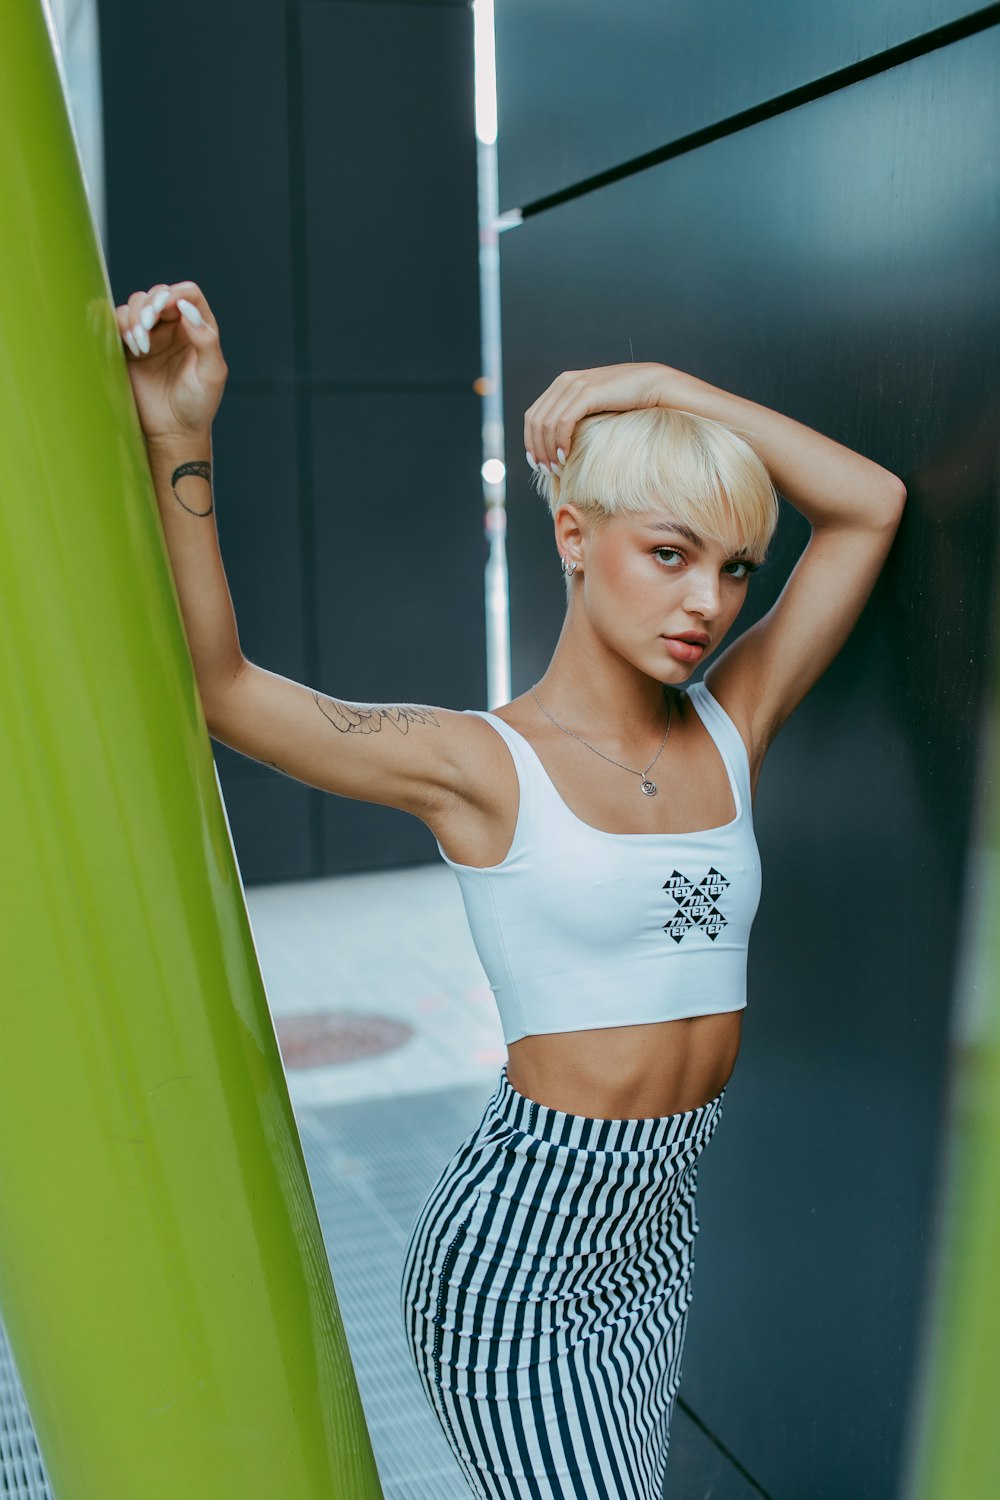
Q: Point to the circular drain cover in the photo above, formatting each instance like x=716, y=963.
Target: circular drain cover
x=337, y=1036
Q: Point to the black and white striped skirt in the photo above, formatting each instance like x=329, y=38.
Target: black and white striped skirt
x=545, y=1290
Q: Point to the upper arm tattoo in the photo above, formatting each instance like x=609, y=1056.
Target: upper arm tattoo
x=360, y=718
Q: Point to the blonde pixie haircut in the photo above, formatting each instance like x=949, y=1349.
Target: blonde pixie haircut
x=656, y=458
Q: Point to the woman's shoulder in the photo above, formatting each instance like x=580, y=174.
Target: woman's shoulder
x=727, y=690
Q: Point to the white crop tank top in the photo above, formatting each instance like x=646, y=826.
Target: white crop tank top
x=579, y=928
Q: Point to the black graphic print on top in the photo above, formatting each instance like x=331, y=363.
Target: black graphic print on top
x=696, y=904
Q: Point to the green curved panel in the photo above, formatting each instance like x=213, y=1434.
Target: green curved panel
x=163, y=1277
x=955, y=1429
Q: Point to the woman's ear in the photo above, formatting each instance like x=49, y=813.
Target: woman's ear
x=570, y=531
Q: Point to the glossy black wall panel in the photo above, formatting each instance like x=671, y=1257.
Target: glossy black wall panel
x=390, y=152
x=196, y=164
x=838, y=263
x=274, y=819
x=584, y=86
x=275, y=822
x=312, y=165
x=399, y=579
x=383, y=534
x=256, y=485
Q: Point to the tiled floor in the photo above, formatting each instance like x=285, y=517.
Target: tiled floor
x=392, y=943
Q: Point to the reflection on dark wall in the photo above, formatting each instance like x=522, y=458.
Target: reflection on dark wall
x=667, y=70
x=838, y=262
x=312, y=165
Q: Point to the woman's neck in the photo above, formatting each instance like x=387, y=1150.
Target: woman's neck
x=600, y=693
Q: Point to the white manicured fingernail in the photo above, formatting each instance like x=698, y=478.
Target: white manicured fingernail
x=531, y=459
x=560, y=455
x=160, y=300
x=557, y=469
x=127, y=336
x=189, y=311
x=147, y=317
x=142, y=339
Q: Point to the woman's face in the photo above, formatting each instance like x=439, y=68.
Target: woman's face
x=647, y=577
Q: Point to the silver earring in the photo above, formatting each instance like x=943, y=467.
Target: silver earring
x=567, y=572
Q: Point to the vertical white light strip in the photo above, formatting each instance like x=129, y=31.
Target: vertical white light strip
x=486, y=72
x=490, y=383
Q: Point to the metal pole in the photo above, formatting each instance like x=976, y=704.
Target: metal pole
x=490, y=384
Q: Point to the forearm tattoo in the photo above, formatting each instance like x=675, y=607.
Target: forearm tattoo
x=199, y=469
x=358, y=718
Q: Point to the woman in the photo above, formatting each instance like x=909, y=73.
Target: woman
x=600, y=826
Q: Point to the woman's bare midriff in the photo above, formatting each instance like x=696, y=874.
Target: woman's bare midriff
x=628, y=1072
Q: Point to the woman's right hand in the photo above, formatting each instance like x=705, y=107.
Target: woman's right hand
x=174, y=361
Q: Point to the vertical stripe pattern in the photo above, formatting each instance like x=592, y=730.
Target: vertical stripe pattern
x=545, y=1288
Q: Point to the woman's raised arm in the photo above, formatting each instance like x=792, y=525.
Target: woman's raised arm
x=414, y=757
x=854, y=507
x=178, y=374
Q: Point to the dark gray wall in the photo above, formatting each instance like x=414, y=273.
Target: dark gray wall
x=836, y=261
x=667, y=70
x=312, y=165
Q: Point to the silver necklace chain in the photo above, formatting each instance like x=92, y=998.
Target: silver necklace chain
x=648, y=788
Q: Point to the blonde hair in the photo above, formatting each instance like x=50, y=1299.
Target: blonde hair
x=696, y=470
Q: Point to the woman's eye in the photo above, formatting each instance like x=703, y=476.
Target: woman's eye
x=739, y=563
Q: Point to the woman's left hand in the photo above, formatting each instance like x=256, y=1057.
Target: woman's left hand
x=549, y=423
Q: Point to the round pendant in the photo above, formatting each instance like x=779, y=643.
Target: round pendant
x=649, y=788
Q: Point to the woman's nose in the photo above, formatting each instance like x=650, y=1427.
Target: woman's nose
x=704, y=596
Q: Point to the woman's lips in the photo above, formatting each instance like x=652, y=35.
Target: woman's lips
x=684, y=650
